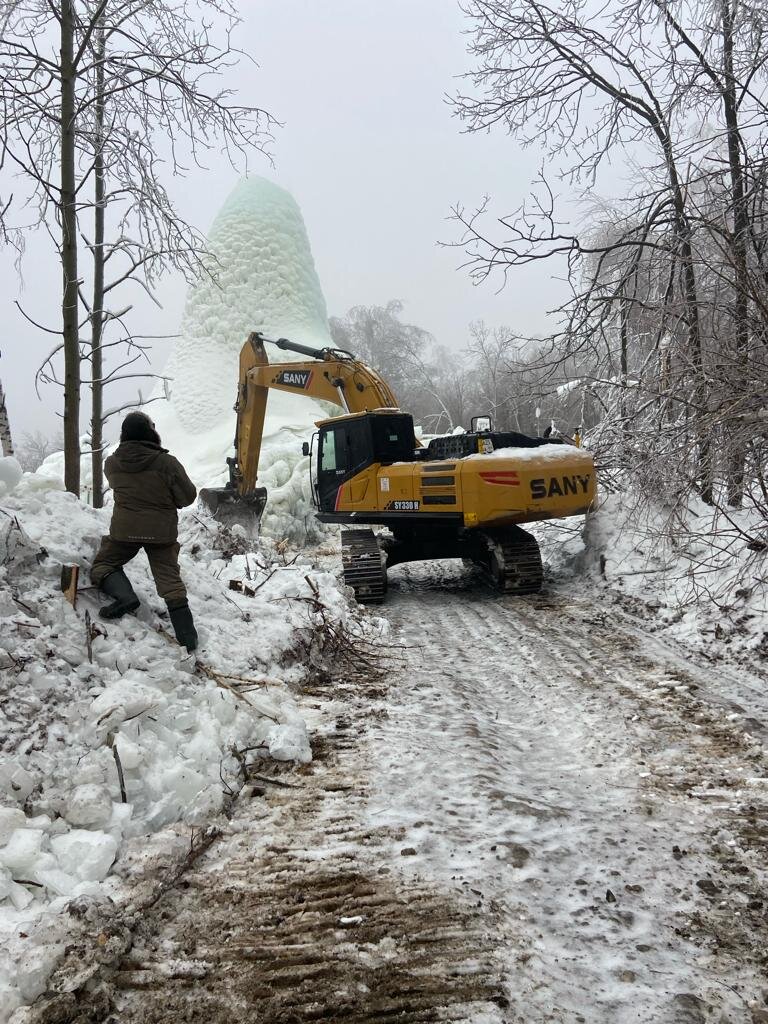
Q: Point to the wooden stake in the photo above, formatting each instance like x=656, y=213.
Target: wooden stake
x=69, y=577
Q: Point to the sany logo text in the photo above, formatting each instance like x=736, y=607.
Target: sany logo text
x=560, y=486
x=294, y=378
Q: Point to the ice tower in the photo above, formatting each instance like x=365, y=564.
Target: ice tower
x=265, y=281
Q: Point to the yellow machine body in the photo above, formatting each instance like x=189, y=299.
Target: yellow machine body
x=485, y=489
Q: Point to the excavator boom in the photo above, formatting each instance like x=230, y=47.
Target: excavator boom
x=330, y=375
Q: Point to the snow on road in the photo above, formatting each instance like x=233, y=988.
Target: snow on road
x=537, y=813
x=550, y=756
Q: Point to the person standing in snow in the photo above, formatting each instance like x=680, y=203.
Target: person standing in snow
x=148, y=485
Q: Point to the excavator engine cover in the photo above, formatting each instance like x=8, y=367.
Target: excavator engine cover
x=229, y=507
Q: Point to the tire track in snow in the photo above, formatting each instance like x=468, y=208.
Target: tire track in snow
x=555, y=760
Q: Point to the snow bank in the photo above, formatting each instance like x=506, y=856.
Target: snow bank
x=97, y=753
x=700, y=573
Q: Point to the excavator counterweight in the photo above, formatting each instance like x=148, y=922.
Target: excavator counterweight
x=465, y=496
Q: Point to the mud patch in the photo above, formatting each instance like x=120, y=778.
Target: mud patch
x=335, y=944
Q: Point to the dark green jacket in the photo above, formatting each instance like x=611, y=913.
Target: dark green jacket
x=148, y=486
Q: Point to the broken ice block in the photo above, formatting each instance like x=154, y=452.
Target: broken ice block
x=89, y=805
x=16, y=783
x=22, y=850
x=17, y=894
x=11, y=818
x=86, y=855
x=289, y=743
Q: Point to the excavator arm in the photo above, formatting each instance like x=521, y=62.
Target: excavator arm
x=329, y=375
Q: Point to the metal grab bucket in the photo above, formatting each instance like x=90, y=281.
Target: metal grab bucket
x=231, y=508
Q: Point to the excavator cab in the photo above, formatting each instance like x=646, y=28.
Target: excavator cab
x=347, y=445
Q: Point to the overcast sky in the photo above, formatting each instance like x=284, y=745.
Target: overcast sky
x=372, y=153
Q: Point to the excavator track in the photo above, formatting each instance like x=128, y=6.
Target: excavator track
x=363, y=566
x=513, y=561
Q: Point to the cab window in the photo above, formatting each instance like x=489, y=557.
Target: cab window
x=328, y=451
x=394, y=438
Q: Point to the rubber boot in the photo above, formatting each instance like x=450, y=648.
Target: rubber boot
x=183, y=624
x=118, y=586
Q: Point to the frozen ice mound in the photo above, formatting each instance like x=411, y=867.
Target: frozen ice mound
x=265, y=281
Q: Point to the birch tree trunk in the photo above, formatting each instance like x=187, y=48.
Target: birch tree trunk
x=6, y=441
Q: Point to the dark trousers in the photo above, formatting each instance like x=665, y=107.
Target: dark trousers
x=163, y=561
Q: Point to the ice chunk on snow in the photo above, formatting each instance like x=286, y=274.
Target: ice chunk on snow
x=130, y=753
x=32, y=970
x=57, y=882
x=89, y=805
x=22, y=851
x=290, y=743
x=11, y=818
x=17, y=894
x=86, y=855
x=10, y=474
x=206, y=804
x=119, y=701
x=183, y=782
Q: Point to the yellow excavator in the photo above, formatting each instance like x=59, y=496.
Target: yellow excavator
x=461, y=496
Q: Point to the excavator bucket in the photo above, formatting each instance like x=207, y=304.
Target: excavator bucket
x=231, y=508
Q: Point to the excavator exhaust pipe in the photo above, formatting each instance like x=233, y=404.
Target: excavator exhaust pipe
x=231, y=508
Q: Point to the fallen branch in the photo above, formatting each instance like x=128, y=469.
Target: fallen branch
x=119, y=765
x=219, y=679
x=273, y=782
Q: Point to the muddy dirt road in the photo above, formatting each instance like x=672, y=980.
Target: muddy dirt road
x=544, y=814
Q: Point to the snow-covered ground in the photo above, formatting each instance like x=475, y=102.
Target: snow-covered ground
x=537, y=811
x=604, y=788
x=697, y=574
x=110, y=732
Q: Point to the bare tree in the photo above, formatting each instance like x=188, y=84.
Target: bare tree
x=494, y=351
x=132, y=89
x=663, y=339
x=35, y=449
